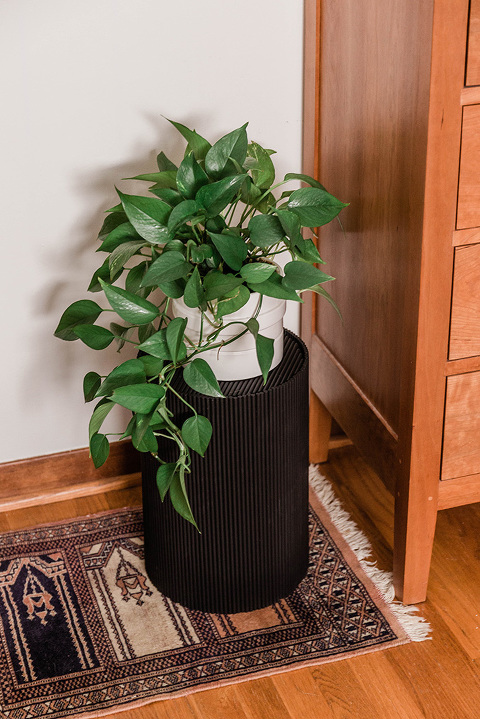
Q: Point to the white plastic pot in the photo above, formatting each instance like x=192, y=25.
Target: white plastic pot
x=237, y=360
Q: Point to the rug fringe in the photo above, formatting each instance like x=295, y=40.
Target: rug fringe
x=416, y=627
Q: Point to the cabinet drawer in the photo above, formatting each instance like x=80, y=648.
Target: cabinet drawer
x=468, y=210
x=461, y=444
x=473, y=55
x=465, y=322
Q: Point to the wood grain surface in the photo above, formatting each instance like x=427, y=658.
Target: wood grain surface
x=461, y=446
x=473, y=56
x=468, y=211
x=465, y=322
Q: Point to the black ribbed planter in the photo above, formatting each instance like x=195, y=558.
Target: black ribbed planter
x=249, y=495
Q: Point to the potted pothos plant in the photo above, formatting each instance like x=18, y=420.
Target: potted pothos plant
x=207, y=235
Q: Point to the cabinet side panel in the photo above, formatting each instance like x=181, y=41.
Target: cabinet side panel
x=375, y=60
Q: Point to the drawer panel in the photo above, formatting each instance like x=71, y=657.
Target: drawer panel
x=473, y=55
x=461, y=444
x=465, y=322
x=468, y=210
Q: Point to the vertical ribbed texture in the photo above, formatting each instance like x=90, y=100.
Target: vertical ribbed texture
x=249, y=495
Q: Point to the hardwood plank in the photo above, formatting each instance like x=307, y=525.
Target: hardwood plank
x=460, y=610
x=260, y=698
x=301, y=695
x=443, y=680
x=374, y=673
x=225, y=704
x=344, y=694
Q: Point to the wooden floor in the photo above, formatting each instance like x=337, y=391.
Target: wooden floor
x=437, y=679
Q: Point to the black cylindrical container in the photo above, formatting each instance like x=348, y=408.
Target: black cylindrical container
x=249, y=496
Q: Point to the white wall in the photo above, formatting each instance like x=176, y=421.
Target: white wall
x=83, y=86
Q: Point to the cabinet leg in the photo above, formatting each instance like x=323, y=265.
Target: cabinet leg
x=415, y=519
x=320, y=428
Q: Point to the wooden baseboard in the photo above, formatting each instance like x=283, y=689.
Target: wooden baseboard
x=65, y=475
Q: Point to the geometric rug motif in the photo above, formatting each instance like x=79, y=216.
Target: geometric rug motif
x=83, y=631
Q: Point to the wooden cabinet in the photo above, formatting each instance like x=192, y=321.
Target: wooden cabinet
x=392, y=126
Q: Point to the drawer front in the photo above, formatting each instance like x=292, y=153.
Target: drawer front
x=473, y=55
x=465, y=321
x=461, y=444
x=468, y=210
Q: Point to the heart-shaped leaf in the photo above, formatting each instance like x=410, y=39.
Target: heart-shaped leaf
x=301, y=275
x=190, y=177
x=233, y=145
x=148, y=215
x=179, y=498
x=152, y=365
x=196, y=433
x=216, y=196
x=99, y=449
x=146, y=441
x=264, y=348
x=273, y=287
x=123, y=233
x=98, y=415
x=182, y=213
x=164, y=478
x=262, y=171
x=128, y=306
x=141, y=398
x=319, y=290
x=199, y=376
x=79, y=313
x=174, y=336
x=314, y=206
x=304, y=178
x=168, y=267
x=194, y=293
x=233, y=301
x=135, y=276
x=257, y=271
x=94, y=336
x=265, y=231
x=130, y=372
x=164, y=164
x=163, y=180
x=111, y=221
x=198, y=145
x=91, y=383
x=121, y=254
x=216, y=284
x=103, y=273
x=231, y=247
x=157, y=346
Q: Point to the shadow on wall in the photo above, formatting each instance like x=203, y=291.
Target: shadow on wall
x=71, y=266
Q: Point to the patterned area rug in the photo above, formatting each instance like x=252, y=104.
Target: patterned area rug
x=84, y=632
